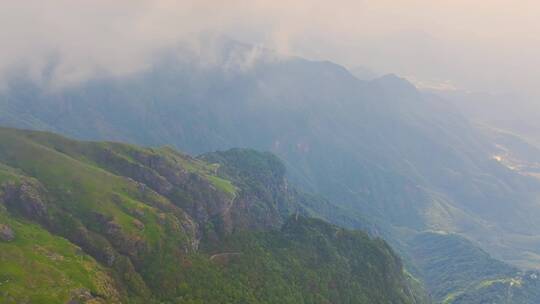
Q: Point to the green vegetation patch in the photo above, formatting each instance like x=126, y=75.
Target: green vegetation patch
x=37, y=267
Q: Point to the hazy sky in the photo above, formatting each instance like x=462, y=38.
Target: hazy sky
x=475, y=44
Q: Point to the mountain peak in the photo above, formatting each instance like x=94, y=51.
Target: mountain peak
x=393, y=83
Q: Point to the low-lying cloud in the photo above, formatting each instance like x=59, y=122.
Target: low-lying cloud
x=481, y=45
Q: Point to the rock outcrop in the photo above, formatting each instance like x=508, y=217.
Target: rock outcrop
x=27, y=197
x=6, y=233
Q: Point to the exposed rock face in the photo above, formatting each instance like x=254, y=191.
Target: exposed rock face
x=198, y=197
x=137, y=171
x=138, y=224
x=265, y=199
x=26, y=197
x=6, y=233
x=165, y=174
x=126, y=244
x=83, y=295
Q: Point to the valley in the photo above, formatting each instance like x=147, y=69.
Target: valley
x=373, y=155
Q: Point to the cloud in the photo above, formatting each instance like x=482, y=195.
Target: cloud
x=487, y=45
x=84, y=38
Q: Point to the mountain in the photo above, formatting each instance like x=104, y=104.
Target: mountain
x=450, y=264
x=405, y=160
x=104, y=222
x=459, y=272
x=506, y=111
x=522, y=288
x=364, y=73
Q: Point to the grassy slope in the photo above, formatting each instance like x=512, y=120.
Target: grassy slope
x=37, y=267
x=80, y=191
x=137, y=245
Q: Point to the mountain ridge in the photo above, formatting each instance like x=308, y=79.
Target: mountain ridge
x=117, y=223
x=394, y=160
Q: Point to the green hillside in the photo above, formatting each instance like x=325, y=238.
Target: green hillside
x=404, y=159
x=99, y=222
x=38, y=267
x=456, y=271
x=522, y=288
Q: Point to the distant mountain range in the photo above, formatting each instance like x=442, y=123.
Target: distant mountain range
x=395, y=161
